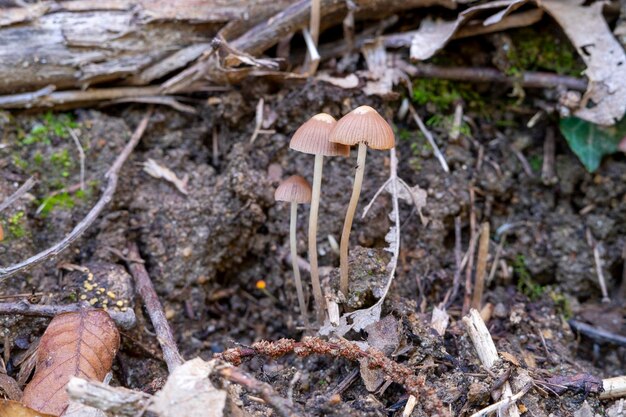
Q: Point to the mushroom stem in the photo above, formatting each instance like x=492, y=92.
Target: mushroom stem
x=315, y=203
x=347, y=225
x=294, y=259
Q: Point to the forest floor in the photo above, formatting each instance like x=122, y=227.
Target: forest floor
x=211, y=245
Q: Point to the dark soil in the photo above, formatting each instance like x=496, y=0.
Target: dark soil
x=206, y=251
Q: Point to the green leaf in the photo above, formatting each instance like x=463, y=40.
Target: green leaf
x=590, y=142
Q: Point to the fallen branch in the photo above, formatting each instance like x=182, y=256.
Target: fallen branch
x=24, y=188
x=597, y=334
x=528, y=79
x=282, y=407
x=488, y=355
x=80, y=228
x=613, y=388
x=162, y=328
x=115, y=400
x=398, y=373
x=124, y=319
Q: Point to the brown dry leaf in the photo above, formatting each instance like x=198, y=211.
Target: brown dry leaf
x=189, y=392
x=432, y=36
x=80, y=344
x=588, y=31
x=383, y=335
x=10, y=408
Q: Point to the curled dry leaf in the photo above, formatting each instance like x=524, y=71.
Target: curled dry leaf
x=80, y=344
x=432, y=36
x=605, y=58
x=10, y=408
x=152, y=168
x=189, y=392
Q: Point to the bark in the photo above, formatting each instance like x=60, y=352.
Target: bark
x=81, y=43
x=74, y=44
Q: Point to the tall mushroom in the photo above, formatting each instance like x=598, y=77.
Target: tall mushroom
x=365, y=127
x=295, y=190
x=313, y=137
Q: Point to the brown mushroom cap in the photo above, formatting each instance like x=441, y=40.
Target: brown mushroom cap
x=313, y=137
x=294, y=189
x=363, y=125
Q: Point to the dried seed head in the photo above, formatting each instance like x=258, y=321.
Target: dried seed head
x=294, y=189
x=313, y=137
x=363, y=125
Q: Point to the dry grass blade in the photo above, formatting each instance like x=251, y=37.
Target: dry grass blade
x=74, y=344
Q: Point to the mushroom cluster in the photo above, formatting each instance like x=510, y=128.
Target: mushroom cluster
x=323, y=136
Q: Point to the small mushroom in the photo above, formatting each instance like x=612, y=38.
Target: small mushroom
x=313, y=137
x=365, y=127
x=295, y=190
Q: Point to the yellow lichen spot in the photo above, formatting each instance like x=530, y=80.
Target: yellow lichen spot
x=124, y=308
x=87, y=286
x=116, y=309
x=102, y=289
x=111, y=294
x=261, y=285
x=83, y=297
x=93, y=301
x=98, y=292
x=119, y=304
x=90, y=277
x=105, y=307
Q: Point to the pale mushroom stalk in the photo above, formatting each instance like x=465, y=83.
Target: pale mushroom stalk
x=315, y=204
x=294, y=259
x=347, y=225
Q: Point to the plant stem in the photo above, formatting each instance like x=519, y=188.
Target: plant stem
x=294, y=260
x=315, y=203
x=347, y=225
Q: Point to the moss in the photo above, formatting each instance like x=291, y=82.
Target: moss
x=49, y=127
x=62, y=200
x=540, y=50
x=562, y=304
x=15, y=225
x=525, y=283
x=62, y=162
x=443, y=93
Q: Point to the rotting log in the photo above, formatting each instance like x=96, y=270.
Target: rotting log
x=79, y=43
x=83, y=43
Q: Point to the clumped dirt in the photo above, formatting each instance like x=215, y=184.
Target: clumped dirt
x=207, y=250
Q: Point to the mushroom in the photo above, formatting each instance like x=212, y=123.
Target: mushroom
x=313, y=137
x=365, y=127
x=295, y=190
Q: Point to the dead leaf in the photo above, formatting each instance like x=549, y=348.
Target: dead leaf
x=10, y=408
x=383, y=335
x=76, y=409
x=74, y=344
x=350, y=81
x=432, y=36
x=580, y=383
x=152, y=168
x=604, y=102
x=9, y=387
x=189, y=392
x=510, y=358
x=382, y=77
x=439, y=320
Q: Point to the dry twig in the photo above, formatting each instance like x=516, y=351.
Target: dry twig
x=124, y=319
x=429, y=137
x=80, y=228
x=481, y=267
x=162, y=328
x=24, y=188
